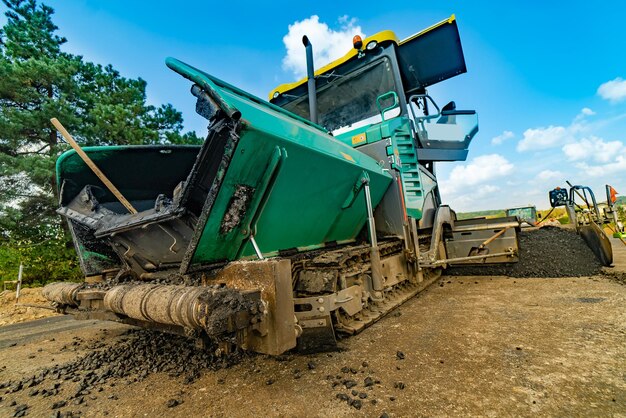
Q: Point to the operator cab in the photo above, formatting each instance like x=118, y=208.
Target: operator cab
x=383, y=78
x=375, y=99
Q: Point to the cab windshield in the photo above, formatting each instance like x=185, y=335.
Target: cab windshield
x=346, y=99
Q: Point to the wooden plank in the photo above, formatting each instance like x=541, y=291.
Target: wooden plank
x=93, y=166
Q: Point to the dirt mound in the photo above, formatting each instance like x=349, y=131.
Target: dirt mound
x=545, y=252
x=134, y=357
x=10, y=313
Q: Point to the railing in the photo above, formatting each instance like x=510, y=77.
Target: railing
x=443, y=129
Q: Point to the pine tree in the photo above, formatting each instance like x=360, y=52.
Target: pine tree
x=38, y=81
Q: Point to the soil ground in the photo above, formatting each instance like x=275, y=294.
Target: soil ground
x=11, y=313
x=488, y=346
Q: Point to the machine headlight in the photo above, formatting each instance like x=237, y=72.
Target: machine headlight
x=275, y=95
x=371, y=45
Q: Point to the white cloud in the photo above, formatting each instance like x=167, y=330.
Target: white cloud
x=593, y=148
x=480, y=193
x=614, y=91
x=542, y=138
x=576, y=152
x=480, y=170
x=502, y=137
x=538, y=139
x=597, y=157
x=603, y=170
x=328, y=44
x=486, y=190
x=584, y=112
x=546, y=175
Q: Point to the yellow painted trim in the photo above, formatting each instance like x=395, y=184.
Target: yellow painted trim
x=449, y=20
x=347, y=156
x=385, y=35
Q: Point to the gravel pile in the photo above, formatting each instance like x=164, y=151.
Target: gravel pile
x=545, y=252
x=137, y=355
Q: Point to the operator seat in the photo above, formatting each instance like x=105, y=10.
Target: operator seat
x=449, y=119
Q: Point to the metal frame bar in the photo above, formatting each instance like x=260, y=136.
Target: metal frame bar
x=469, y=258
x=375, y=263
x=257, y=250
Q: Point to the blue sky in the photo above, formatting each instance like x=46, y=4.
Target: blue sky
x=535, y=71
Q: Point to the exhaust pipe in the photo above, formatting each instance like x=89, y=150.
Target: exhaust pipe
x=310, y=73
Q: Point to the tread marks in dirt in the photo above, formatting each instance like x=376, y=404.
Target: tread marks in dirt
x=545, y=252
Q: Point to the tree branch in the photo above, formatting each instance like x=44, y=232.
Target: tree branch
x=33, y=152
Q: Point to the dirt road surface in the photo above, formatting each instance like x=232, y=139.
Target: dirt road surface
x=491, y=346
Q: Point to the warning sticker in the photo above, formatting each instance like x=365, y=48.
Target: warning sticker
x=359, y=139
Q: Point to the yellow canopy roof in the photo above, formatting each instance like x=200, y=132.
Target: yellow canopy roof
x=379, y=37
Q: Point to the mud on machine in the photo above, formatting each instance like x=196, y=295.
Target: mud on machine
x=299, y=219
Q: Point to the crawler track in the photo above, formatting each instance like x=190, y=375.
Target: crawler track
x=393, y=298
x=351, y=266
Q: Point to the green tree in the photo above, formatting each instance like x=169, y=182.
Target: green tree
x=39, y=81
x=621, y=213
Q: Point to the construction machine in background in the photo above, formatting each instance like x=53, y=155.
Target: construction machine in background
x=612, y=212
x=526, y=214
x=298, y=220
x=589, y=217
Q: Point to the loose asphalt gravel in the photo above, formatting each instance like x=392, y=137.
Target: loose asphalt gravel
x=545, y=252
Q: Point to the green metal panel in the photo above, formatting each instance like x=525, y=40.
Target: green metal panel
x=406, y=154
x=303, y=205
x=373, y=132
x=353, y=138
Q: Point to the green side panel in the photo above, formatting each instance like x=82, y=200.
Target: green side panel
x=389, y=127
x=407, y=161
x=373, y=132
x=297, y=178
x=406, y=153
